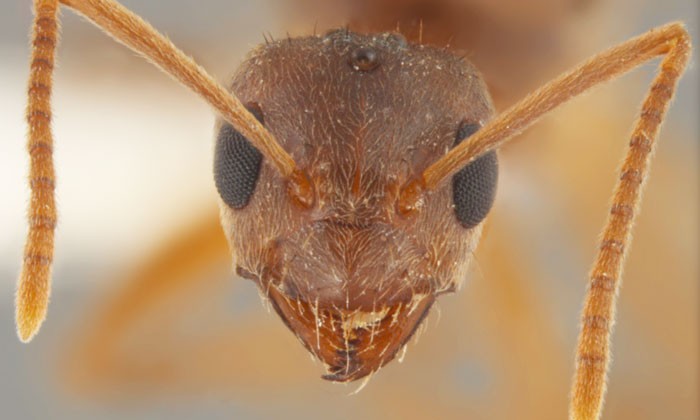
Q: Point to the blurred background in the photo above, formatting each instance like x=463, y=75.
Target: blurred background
x=147, y=322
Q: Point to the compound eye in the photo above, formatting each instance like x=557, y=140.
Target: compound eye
x=474, y=186
x=236, y=163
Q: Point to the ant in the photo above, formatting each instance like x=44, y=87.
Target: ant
x=351, y=201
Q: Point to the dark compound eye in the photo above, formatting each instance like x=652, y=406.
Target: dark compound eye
x=236, y=164
x=474, y=186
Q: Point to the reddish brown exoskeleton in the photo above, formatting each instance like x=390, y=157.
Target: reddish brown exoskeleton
x=348, y=190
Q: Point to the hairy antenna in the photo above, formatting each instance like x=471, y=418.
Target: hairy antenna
x=33, y=288
x=34, y=283
x=672, y=41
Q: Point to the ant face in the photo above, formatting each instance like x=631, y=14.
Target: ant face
x=362, y=116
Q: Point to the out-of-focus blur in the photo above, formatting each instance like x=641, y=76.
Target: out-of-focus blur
x=136, y=331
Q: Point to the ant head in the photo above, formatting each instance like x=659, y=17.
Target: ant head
x=362, y=116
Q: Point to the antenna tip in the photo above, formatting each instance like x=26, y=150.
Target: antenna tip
x=28, y=326
x=31, y=304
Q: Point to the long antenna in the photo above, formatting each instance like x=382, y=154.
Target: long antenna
x=33, y=286
x=598, y=315
x=124, y=26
